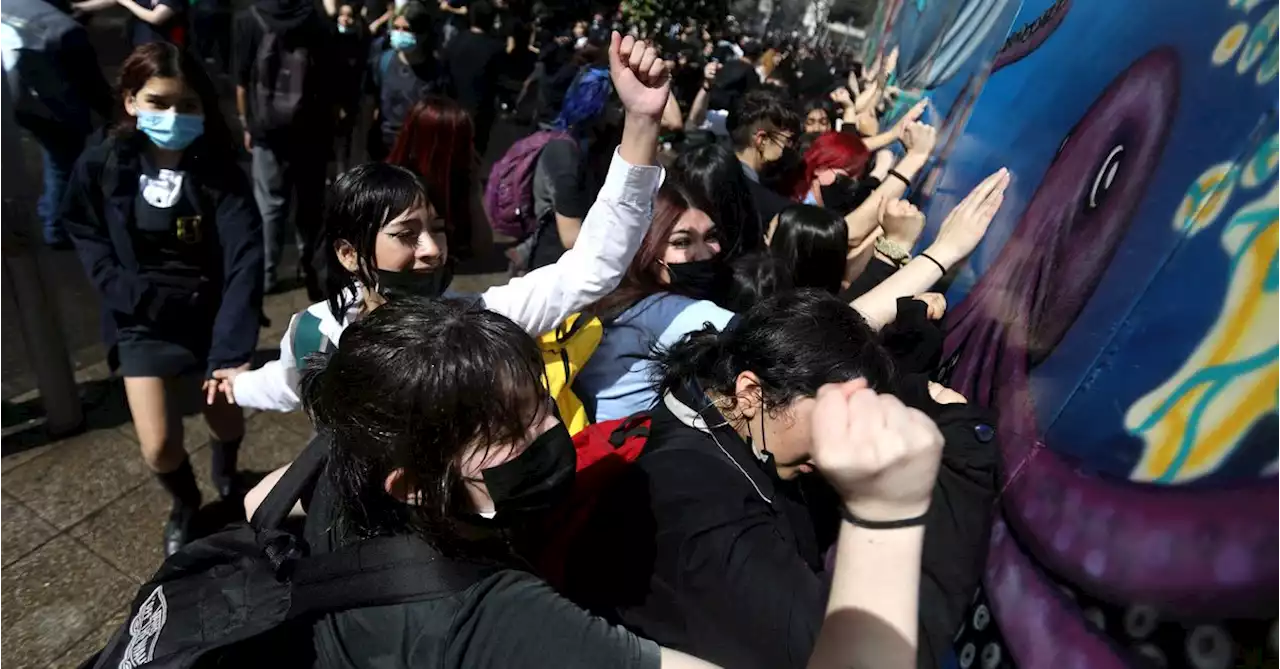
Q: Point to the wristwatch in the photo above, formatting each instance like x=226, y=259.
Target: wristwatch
x=893, y=251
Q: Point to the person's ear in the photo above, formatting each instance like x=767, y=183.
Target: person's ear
x=760, y=139
x=347, y=255
x=400, y=486
x=130, y=104
x=750, y=396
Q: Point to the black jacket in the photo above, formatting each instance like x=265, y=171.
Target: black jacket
x=97, y=211
x=700, y=547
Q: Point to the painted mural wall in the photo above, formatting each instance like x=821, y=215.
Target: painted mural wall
x=1122, y=314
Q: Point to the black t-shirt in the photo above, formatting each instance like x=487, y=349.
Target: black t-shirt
x=560, y=186
x=399, y=86
x=735, y=79
x=173, y=30
x=173, y=244
x=473, y=61
x=508, y=620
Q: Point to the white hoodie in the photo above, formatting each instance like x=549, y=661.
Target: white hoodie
x=539, y=301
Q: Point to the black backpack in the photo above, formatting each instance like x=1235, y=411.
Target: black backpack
x=249, y=595
x=278, y=80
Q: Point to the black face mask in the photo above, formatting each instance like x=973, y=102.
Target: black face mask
x=534, y=481
x=392, y=285
x=701, y=279
x=779, y=174
x=843, y=195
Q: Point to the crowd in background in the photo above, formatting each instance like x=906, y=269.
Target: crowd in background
x=700, y=419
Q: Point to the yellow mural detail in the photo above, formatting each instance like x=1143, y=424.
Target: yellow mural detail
x=1194, y=420
x=1206, y=198
x=1230, y=43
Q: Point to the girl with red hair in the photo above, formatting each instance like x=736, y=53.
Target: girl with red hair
x=437, y=142
x=832, y=163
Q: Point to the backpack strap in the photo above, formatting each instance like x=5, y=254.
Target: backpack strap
x=301, y=475
x=635, y=426
x=378, y=572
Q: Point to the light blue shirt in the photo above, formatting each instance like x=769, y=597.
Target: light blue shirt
x=617, y=380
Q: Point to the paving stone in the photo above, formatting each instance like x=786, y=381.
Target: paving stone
x=55, y=597
x=92, y=643
x=21, y=530
x=127, y=532
x=78, y=476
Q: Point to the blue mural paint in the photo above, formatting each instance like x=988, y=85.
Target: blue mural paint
x=1119, y=307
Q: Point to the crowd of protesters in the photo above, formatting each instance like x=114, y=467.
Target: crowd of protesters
x=697, y=421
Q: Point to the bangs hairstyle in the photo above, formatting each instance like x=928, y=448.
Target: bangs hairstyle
x=794, y=342
x=437, y=143
x=713, y=180
x=362, y=201
x=415, y=385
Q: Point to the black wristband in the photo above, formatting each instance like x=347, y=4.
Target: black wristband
x=895, y=173
x=931, y=259
x=848, y=517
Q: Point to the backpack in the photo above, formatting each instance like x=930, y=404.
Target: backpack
x=565, y=351
x=249, y=595
x=277, y=80
x=604, y=450
x=508, y=197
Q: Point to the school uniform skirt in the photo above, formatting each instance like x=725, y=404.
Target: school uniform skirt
x=165, y=349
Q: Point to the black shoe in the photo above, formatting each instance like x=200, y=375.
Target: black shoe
x=177, y=532
x=228, y=487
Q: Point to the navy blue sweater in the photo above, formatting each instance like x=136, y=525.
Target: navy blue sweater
x=97, y=211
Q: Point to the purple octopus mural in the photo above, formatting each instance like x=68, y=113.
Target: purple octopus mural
x=1122, y=316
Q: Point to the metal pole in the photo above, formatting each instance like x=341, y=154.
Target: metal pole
x=22, y=251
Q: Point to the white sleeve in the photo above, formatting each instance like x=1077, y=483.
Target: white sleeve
x=611, y=233
x=274, y=386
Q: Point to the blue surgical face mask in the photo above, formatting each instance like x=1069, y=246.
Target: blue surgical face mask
x=169, y=130
x=343, y=29
x=403, y=40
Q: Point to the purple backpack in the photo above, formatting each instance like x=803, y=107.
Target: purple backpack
x=508, y=197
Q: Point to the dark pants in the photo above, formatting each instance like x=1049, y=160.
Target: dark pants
x=281, y=180
x=59, y=159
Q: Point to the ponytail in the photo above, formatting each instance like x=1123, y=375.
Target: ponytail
x=794, y=342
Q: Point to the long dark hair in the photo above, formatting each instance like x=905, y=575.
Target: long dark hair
x=414, y=386
x=812, y=244
x=713, y=180
x=795, y=342
x=164, y=60
x=437, y=142
x=362, y=201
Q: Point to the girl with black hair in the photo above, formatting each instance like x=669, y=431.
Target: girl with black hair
x=438, y=433
x=166, y=226
x=711, y=177
x=390, y=240
x=712, y=541
x=812, y=243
